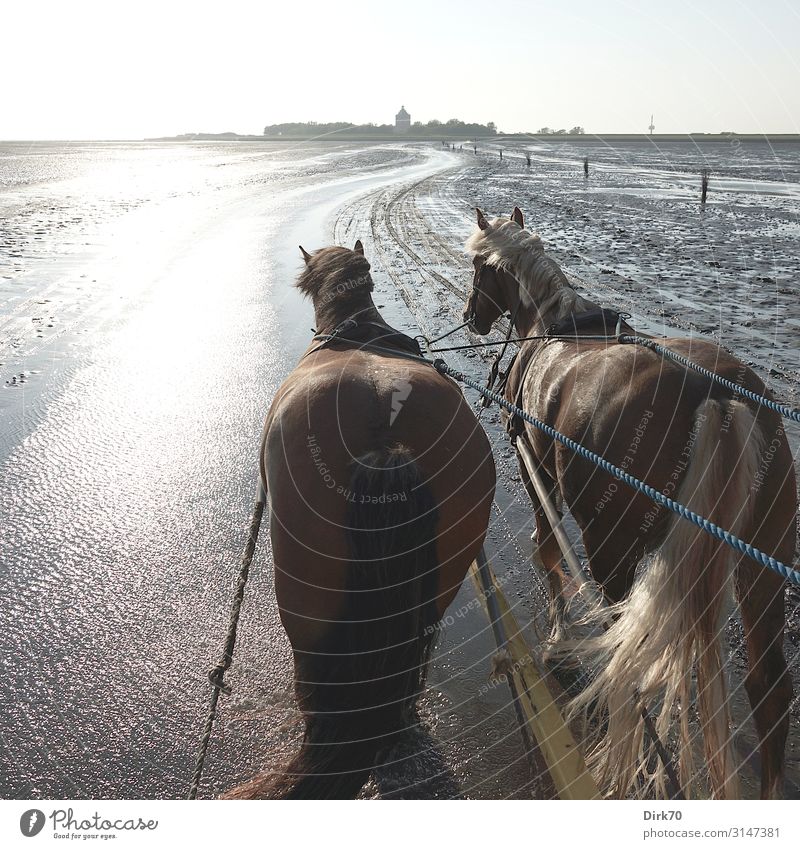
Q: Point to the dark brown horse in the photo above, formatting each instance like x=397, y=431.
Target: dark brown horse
x=380, y=481
x=726, y=458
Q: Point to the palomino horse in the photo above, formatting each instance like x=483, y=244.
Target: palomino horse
x=380, y=482
x=726, y=459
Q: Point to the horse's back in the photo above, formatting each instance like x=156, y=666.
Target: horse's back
x=639, y=410
x=372, y=401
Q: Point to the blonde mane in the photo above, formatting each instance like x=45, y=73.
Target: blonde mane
x=543, y=285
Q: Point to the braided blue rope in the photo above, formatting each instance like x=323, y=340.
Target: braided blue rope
x=785, y=411
x=732, y=540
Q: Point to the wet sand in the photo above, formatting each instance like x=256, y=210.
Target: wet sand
x=143, y=334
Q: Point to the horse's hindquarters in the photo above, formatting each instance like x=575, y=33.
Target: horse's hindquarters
x=309, y=457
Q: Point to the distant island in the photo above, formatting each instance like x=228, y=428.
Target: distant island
x=455, y=129
x=335, y=130
x=402, y=126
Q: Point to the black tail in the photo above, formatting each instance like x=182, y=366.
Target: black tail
x=360, y=688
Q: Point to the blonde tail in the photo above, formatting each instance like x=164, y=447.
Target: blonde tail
x=674, y=618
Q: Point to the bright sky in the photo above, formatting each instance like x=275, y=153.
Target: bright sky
x=82, y=69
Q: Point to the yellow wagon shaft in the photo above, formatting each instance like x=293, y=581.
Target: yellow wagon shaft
x=571, y=778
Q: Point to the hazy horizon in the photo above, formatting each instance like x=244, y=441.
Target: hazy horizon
x=89, y=71
x=400, y=137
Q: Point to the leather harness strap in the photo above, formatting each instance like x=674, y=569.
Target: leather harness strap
x=571, y=325
x=362, y=334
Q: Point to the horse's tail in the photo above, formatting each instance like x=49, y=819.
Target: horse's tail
x=675, y=616
x=359, y=689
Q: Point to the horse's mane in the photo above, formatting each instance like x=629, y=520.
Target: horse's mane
x=334, y=271
x=543, y=284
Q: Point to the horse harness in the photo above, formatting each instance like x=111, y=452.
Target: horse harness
x=362, y=335
x=568, y=329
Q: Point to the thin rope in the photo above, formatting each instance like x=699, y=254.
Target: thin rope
x=216, y=675
x=445, y=335
x=370, y=346
x=786, y=572
x=559, y=338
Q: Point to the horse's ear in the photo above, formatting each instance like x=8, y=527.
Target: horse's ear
x=482, y=222
x=306, y=254
x=358, y=247
x=516, y=216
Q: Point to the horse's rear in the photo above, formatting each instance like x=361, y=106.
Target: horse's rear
x=727, y=460
x=380, y=481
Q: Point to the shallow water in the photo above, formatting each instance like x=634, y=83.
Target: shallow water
x=129, y=447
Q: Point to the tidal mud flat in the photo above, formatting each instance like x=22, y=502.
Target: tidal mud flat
x=633, y=236
x=147, y=318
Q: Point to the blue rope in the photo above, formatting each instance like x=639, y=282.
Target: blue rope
x=785, y=411
x=732, y=540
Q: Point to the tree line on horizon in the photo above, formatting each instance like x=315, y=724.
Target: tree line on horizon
x=453, y=127
x=546, y=131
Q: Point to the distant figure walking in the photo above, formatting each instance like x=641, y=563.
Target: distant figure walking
x=528, y=159
x=704, y=175
x=501, y=155
x=586, y=167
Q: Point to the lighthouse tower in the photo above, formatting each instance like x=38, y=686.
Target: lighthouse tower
x=402, y=121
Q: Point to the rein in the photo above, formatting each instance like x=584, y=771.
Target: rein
x=608, y=316
x=216, y=675
x=553, y=331
x=405, y=347
x=495, y=367
x=560, y=337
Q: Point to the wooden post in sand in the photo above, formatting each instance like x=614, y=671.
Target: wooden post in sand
x=586, y=167
x=704, y=175
x=528, y=159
